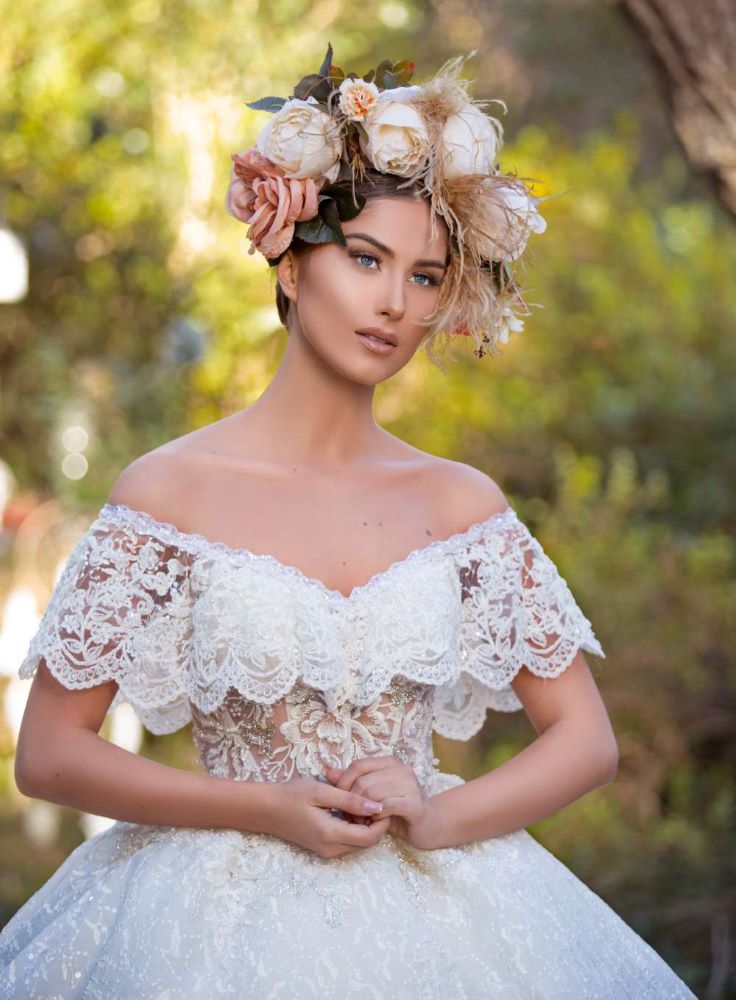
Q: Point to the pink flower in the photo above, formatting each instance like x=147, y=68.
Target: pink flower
x=262, y=195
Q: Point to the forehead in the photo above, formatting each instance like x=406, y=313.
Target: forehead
x=400, y=223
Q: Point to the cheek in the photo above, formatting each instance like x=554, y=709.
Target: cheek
x=331, y=300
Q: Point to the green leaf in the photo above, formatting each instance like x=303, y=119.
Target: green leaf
x=346, y=207
x=315, y=86
x=315, y=230
x=344, y=173
x=327, y=62
x=382, y=68
x=328, y=211
x=404, y=70
x=267, y=104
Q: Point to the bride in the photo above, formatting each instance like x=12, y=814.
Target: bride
x=316, y=597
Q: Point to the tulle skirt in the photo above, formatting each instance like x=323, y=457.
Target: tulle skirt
x=167, y=913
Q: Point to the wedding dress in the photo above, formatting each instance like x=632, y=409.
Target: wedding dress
x=280, y=677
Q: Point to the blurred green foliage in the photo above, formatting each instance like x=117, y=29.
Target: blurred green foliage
x=608, y=421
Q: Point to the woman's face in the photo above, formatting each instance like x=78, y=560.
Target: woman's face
x=387, y=277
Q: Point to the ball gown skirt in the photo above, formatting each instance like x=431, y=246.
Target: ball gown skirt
x=281, y=676
x=184, y=914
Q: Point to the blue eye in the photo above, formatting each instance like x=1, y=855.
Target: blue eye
x=360, y=253
x=431, y=280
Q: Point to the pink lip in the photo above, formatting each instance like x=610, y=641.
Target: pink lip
x=374, y=345
x=378, y=332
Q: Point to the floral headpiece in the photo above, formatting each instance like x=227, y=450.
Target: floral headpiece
x=335, y=125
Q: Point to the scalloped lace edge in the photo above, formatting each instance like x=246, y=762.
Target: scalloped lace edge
x=193, y=542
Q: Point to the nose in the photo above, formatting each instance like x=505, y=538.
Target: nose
x=392, y=302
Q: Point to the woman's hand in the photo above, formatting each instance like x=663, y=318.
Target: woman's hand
x=413, y=814
x=299, y=810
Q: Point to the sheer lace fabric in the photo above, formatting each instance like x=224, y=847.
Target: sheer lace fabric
x=282, y=676
x=185, y=625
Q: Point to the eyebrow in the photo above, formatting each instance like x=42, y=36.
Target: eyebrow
x=389, y=251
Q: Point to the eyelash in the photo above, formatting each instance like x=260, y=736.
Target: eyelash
x=433, y=282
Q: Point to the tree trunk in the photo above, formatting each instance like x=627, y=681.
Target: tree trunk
x=693, y=45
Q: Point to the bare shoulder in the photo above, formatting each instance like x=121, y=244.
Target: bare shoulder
x=153, y=482
x=467, y=494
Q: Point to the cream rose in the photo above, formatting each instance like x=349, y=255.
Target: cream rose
x=357, y=98
x=303, y=141
x=470, y=142
x=396, y=140
x=404, y=95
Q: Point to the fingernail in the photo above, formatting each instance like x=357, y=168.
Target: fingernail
x=373, y=806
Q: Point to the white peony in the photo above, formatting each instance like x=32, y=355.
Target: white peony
x=470, y=142
x=396, y=140
x=303, y=140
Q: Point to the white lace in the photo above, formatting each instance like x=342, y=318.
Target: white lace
x=281, y=676
x=279, y=672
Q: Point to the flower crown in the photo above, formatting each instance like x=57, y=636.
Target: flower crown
x=335, y=125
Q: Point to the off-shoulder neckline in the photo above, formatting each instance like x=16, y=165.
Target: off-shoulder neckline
x=195, y=542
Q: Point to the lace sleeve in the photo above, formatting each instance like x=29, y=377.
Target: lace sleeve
x=517, y=610
x=121, y=611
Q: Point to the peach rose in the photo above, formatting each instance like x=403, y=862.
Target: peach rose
x=357, y=98
x=261, y=194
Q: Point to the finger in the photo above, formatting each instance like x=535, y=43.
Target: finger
x=382, y=783
x=335, y=798
x=355, y=835
x=363, y=765
x=398, y=778
x=393, y=773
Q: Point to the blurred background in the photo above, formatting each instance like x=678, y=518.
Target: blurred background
x=130, y=313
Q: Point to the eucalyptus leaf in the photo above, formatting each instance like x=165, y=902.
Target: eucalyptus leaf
x=267, y=104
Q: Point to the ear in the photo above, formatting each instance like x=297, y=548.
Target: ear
x=287, y=270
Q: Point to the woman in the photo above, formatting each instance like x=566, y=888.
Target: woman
x=316, y=596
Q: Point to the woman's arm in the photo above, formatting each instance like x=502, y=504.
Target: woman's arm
x=61, y=758
x=575, y=752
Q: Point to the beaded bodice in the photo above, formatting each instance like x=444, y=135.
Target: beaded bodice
x=300, y=735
